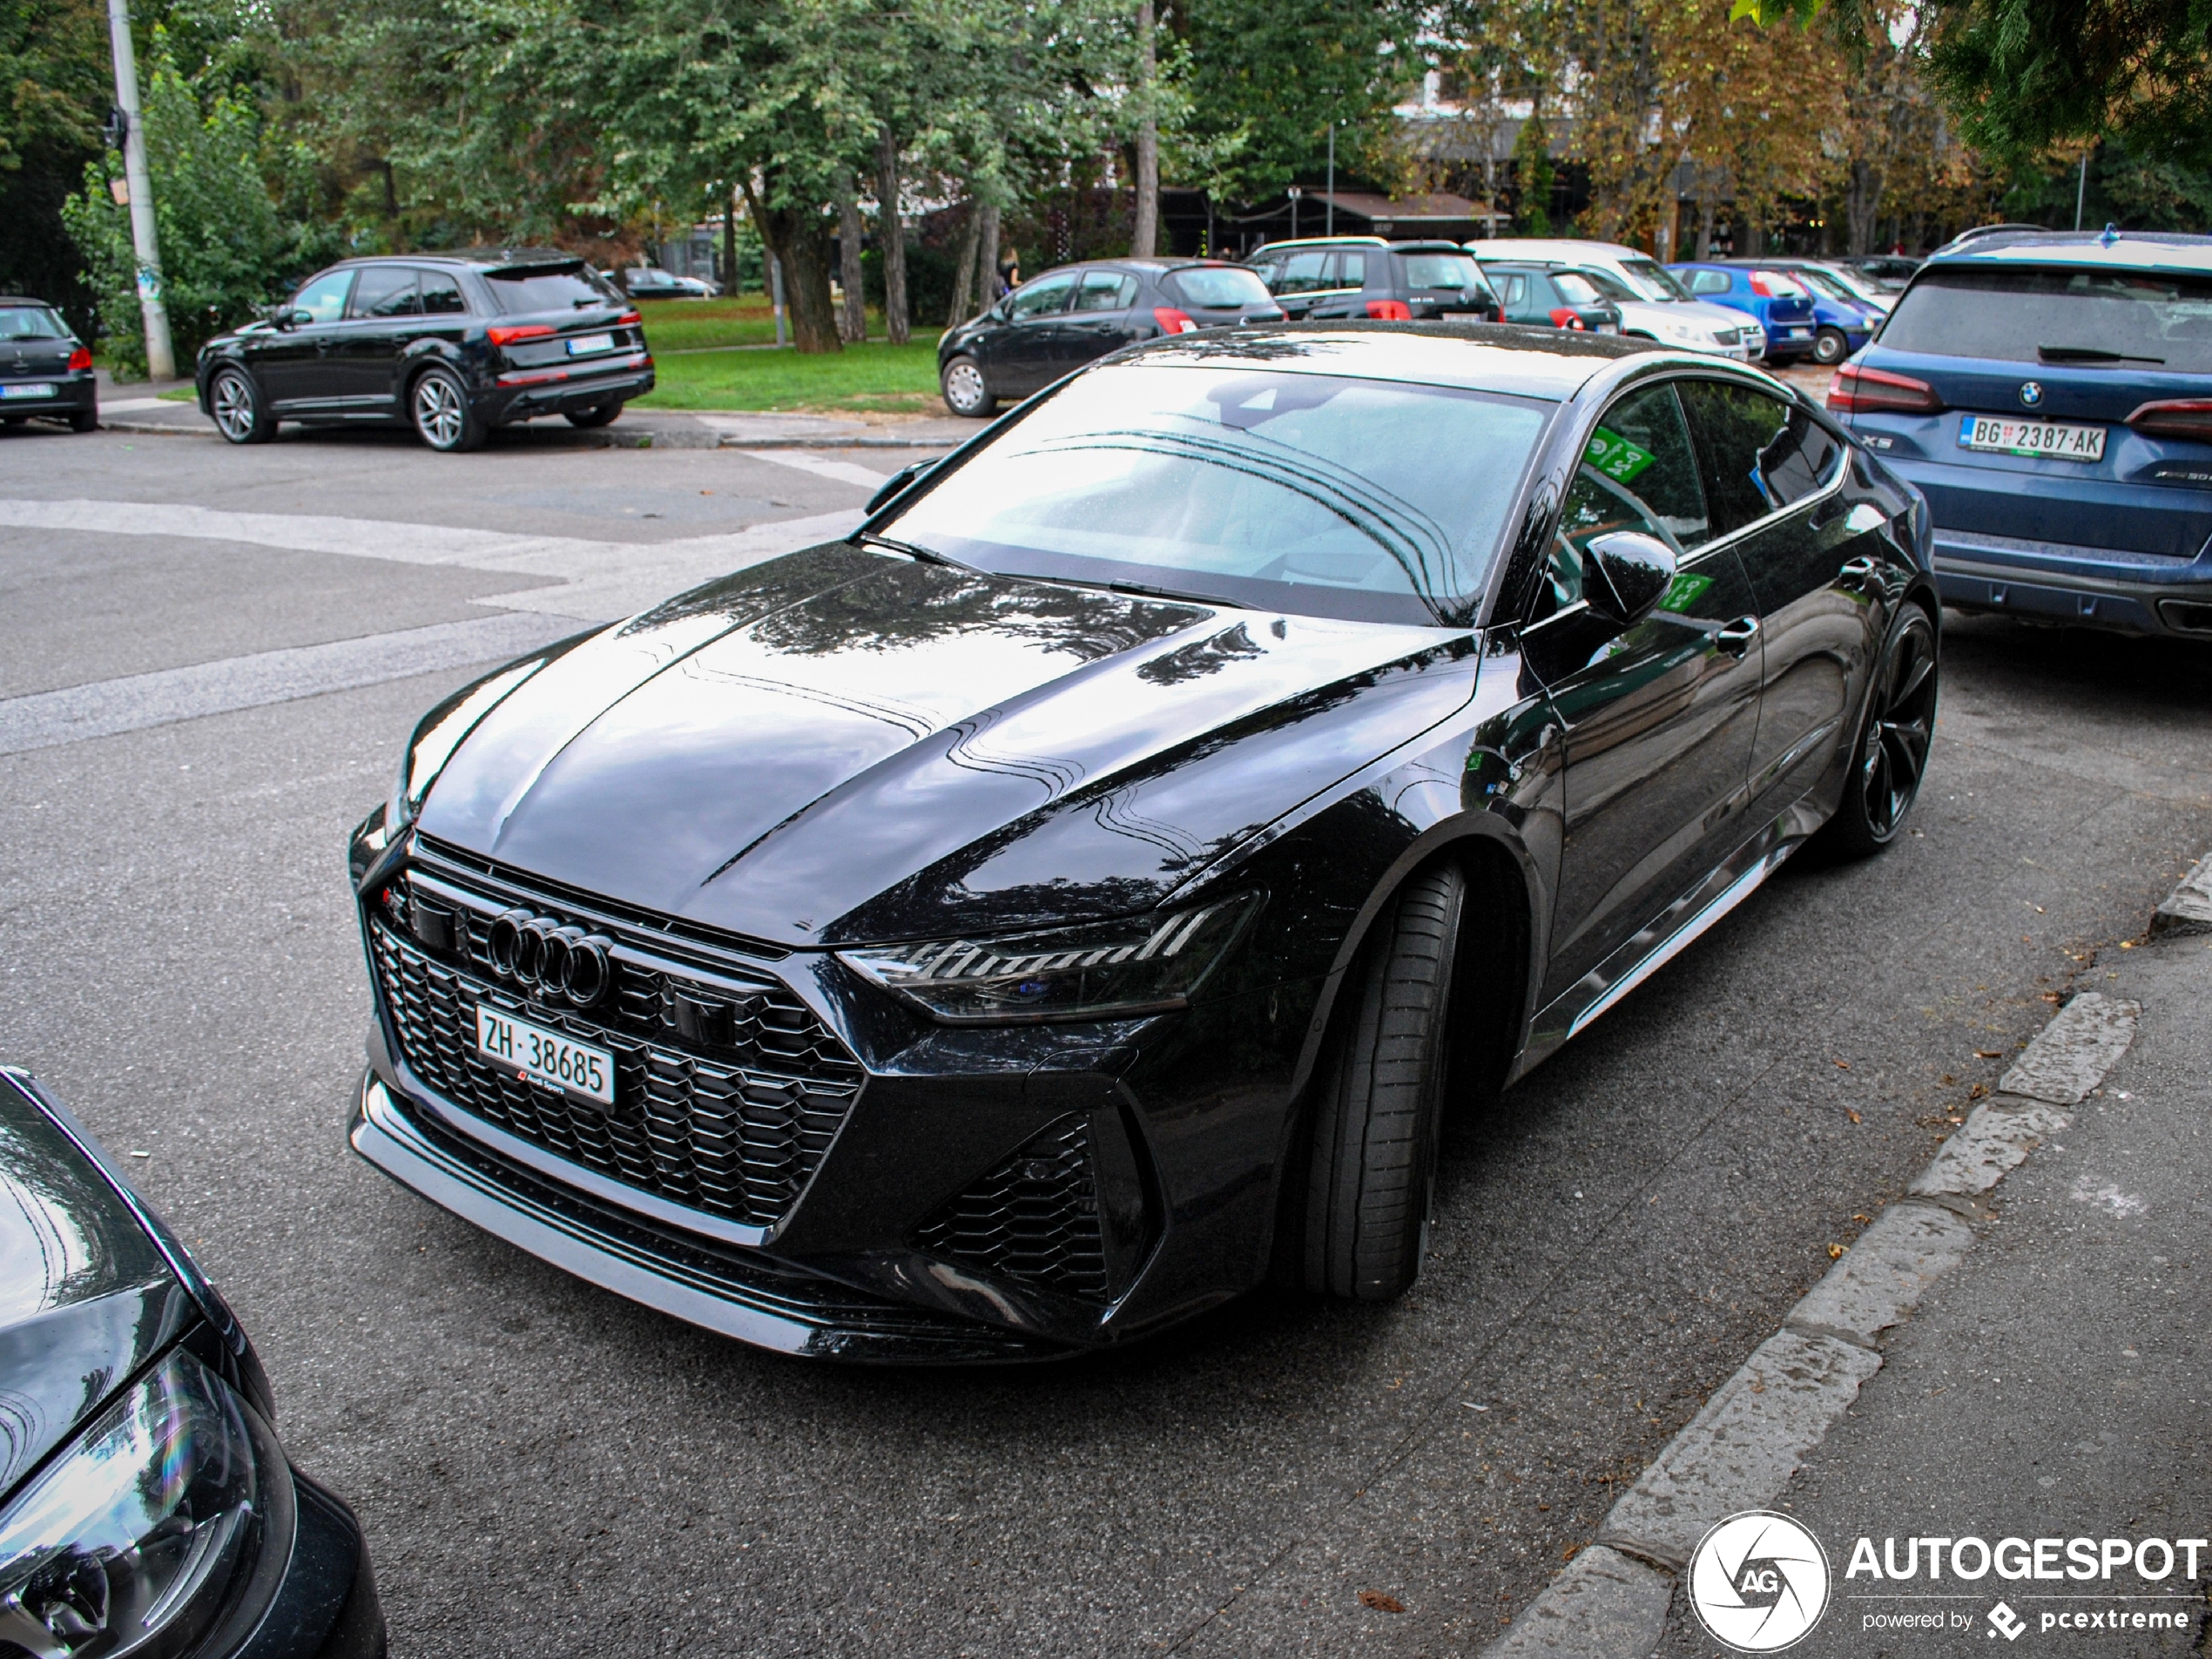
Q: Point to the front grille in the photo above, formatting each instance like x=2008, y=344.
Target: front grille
x=1035, y=1219
x=727, y=1090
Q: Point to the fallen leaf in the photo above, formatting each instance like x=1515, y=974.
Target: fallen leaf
x=1843, y=1065
x=1989, y=1054
x=1835, y=1253
x=1862, y=1220
x=1853, y=1115
x=2125, y=944
x=1948, y=1078
x=1977, y=1091
x=1380, y=1602
x=2053, y=997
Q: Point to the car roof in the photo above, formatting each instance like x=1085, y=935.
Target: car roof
x=1323, y=241
x=1550, y=363
x=2082, y=250
x=1579, y=246
x=25, y=300
x=481, y=258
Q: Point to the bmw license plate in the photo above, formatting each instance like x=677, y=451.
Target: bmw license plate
x=584, y=345
x=29, y=388
x=543, y=1056
x=2046, y=440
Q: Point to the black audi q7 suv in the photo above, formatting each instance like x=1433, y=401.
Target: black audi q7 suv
x=452, y=345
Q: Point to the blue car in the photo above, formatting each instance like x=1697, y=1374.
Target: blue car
x=2052, y=396
x=1779, y=301
x=1843, y=320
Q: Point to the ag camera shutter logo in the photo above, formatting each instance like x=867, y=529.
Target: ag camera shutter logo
x=1758, y=1581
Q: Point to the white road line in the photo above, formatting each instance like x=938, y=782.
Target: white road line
x=844, y=472
x=136, y=701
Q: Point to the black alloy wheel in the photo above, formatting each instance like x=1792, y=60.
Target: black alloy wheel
x=1892, y=756
x=964, y=393
x=599, y=415
x=438, y=404
x=1379, y=1108
x=235, y=401
x=1830, y=347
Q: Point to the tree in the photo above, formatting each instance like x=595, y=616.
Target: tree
x=55, y=84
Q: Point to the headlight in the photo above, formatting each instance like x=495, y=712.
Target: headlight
x=128, y=1543
x=1142, y=966
x=440, y=733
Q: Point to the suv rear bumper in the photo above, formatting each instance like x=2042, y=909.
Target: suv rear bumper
x=528, y=394
x=2090, y=587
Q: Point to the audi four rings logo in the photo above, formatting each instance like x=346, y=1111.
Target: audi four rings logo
x=562, y=964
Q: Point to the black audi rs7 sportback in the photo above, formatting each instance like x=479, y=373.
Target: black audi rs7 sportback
x=1079, y=894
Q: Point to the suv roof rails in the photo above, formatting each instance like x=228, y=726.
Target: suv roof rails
x=1321, y=241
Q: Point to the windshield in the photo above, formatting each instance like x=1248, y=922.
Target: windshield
x=1575, y=288
x=1320, y=494
x=2024, y=315
x=1455, y=270
x=1821, y=283
x=549, y=288
x=1222, y=287
x=1657, y=281
x=1608, y=285
x=31, y=322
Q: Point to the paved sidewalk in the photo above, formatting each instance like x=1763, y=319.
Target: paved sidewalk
x=2054, y=1384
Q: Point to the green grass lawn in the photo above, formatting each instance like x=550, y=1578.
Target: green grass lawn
x=895, y=379
x=707, y=325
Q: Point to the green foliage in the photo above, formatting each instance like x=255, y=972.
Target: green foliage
x=227, y=245
x=55, y=88
x=1532, y=166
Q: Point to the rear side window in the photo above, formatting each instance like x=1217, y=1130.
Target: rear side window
x=441, y=295
x=560, y=287
x=1105, y=291
x=2117, y=319
x=1456, y=272
x=1761, y=455
x=1219, y=286
x=31, y=322
x=1352, y=271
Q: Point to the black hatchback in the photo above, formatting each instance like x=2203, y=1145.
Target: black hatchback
x=1364, y=276
x=44, y=369
x=1063, y=318
x=452, y=345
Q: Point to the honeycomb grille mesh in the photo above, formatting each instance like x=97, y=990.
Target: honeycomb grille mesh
x=735, y=1138
x=1035, y=1219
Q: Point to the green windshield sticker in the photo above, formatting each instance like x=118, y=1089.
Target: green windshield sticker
x=1615, y=457
x=1683, y=591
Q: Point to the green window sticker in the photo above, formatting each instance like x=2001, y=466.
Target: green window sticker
x=1683, y=591
x=1614, y=457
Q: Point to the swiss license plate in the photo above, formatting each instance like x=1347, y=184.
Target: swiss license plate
x=32, y=389
x=2048, y=440
x=584, y=344
x=544, y=1056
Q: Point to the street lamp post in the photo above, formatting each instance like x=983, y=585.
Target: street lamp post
x=161, y=357
x=1330, y=220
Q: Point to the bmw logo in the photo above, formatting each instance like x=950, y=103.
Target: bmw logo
x=2030, y=393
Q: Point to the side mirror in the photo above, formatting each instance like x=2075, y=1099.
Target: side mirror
x=1625, y=574
x=288, y=317
x=897, y=484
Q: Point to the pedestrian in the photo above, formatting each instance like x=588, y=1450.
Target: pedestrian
x=1009, y=278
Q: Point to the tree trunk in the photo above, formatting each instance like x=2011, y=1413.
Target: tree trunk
x=891, y=235
x=730, y=244
x=800, y=241
x=1145, y=238
x=1705, y=209
x=1862, y=200
x=987, y=259
x=964, y=285
x=853, y=322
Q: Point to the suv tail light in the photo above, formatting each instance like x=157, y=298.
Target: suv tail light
x=1172, y=322
x=1857, y=390
x=1389, y=311
x=1565, y=317
x=81, y=358
x=507, y=333
x=630, y=316
x=2179, y=417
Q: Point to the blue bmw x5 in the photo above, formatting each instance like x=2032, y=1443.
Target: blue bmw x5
x=2052, y=394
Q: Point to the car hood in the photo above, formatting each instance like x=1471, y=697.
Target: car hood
x=86, y=1297
x=839, y=744
x=1698, y=314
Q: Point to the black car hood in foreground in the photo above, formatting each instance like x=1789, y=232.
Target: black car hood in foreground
x=843, y=744
x=85, y=1296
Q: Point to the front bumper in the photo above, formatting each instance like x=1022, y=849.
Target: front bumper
x=325, y=1606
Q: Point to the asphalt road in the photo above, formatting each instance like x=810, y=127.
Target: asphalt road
x=544, y=1468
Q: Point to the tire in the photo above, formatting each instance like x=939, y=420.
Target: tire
x=240, y=414
x=1891, y=756
x=438, y=408
x=602, y=414
x=1830, y=347
x=962, y=382
x=1370, y=1181
x=84, y=420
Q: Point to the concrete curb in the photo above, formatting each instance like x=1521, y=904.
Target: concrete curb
x=1740, y=1451
x=2188, y=909
x=615, y=438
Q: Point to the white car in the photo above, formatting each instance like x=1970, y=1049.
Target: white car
x=1653, y=304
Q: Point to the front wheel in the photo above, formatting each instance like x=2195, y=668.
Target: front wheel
x=235, y=401
x=964, y=393
x=1378, y=1110
x=438, y=405
x=1830, y=346
x=603, y=415
x=1892, y=754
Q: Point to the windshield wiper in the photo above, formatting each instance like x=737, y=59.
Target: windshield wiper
x=2089, y=354
x=1146, y=591
x=921, y=554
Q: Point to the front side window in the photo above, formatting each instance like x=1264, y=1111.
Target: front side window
x=1708, y=282
x=1317, y=493
x=324, y=299
x=2114, y=319
x=387, y=291
x=32, y=322
x=1762, y=454
x=1516, y=290
x=1105, y=291
x=1638, y=472
x=1305, y=272
x=1045, y=297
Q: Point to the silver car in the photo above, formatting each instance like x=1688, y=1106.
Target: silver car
x=1653, y=304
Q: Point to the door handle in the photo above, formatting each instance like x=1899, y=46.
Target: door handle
x=1862, y=568
x=1735, y=637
